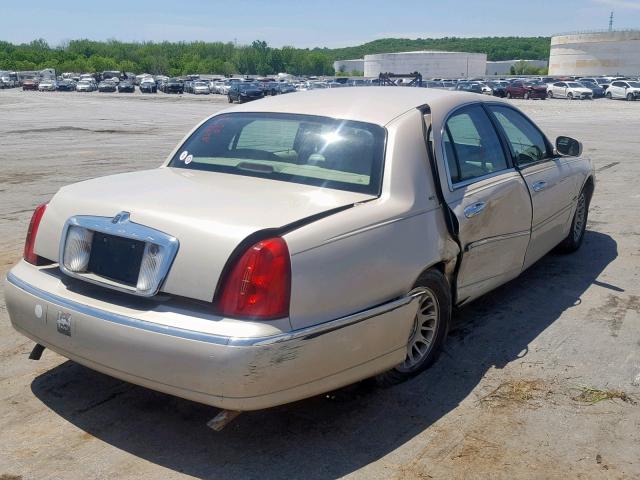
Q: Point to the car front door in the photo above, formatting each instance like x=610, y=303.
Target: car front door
x=549, y=179
x=616, y=90
x=487, y=198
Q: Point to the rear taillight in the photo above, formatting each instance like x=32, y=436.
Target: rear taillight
x=29, y=254
x=259, y=283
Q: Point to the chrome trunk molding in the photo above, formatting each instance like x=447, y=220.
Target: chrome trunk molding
x=121, y=226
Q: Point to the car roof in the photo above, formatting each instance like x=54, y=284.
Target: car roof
x=378, y=105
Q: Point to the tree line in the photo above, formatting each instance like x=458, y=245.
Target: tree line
x=180, y=58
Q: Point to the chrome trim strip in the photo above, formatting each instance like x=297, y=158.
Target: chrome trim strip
x=497, y=238
x=302, y=334
x=121, y=226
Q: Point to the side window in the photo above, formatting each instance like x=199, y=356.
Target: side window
x=471, y=145
x=527, y=143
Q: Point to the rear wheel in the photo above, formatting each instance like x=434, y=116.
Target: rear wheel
x=509, y=95
x=630, y=97
x=429, y=331
x=526, y=95
x=230, y=99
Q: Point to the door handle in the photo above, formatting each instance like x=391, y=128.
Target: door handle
x=539, y=186
x=473, y=210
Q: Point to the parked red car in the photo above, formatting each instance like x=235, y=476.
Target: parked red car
x=29, y=85
x=527, y=90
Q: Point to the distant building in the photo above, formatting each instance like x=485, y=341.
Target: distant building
x=348, y=66
x=503, y=67
x=597, y=53
x=431, y=64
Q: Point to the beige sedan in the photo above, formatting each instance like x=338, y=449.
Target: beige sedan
x=297, y=244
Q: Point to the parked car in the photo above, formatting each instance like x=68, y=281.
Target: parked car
x=29, y=85
x=244, y=92
x=126, y=86
x=601, y=82
x=570, y=90
x=148, y=85
x=626, y=89
x=174, y=85
x=66, y=85
x=85, y=86
x=107, y=86
x=284, y=87
x=290, y=264
x=498, y=89
x=47, y=85
x=200, y=88
x=527, y=90
x=596, y=90
x=472, y=87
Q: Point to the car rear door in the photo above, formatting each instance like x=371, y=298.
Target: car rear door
x=549, y=179
x=488, y=200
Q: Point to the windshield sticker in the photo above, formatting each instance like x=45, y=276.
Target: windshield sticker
x=183, y=155
x=187, y=160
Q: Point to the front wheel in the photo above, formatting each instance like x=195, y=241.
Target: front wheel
x=630, y=97
x=608, y=95
x=509, y=95
x=550, y=94
x=578, y=225
x=526, y=96
x=570, y=96
x=230, y=99
x=430, y=327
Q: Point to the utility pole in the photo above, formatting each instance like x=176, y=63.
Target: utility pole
x=611, y=21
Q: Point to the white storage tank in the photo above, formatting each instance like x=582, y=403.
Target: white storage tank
x=597, y=53
x=431, y=64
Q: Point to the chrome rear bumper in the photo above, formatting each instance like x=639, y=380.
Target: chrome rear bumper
x=233, y=372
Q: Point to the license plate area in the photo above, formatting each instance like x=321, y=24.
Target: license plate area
x=116, y=258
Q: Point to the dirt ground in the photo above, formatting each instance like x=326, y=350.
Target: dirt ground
x=539, y=379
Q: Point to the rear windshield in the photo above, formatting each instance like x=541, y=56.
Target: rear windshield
x=326, y=152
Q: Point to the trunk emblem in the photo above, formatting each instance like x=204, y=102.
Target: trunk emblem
x=122, y=217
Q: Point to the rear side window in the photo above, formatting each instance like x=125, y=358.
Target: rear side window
x=322, y=151
x=471, y=145
x=527, y=143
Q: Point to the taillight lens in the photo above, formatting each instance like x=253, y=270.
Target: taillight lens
x=258, y=285
x=29, y=254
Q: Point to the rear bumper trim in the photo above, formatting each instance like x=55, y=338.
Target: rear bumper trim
x=304, y=333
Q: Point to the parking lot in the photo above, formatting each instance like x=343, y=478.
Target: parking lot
x=539, y=379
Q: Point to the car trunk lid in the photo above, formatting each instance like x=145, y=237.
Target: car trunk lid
x=209, y=213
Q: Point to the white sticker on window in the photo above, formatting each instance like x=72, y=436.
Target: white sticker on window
x=187, y=160
x=183, y=155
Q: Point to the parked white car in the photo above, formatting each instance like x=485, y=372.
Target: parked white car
x=297, y=244
x=47, y=85
x=201, y=88
x=626, y=89
x=85, y=86
x=570, y=90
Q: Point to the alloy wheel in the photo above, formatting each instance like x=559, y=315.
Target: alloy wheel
x=424, y=332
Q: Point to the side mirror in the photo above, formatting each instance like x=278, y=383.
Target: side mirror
x=568, y=146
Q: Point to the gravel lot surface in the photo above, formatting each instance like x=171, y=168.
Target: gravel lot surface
x=508, y=399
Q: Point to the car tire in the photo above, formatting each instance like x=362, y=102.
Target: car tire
x=578, y=224
x=526, y=96
x=550, y=94
x=509, y=95
x=433, y=317
x=630, y=97
x=230, y=99
x=570, y=96
x=608, y=95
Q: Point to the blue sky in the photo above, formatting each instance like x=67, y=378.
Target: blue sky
x=303, y=23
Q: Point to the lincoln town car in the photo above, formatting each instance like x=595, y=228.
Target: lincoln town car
x=294, y=245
